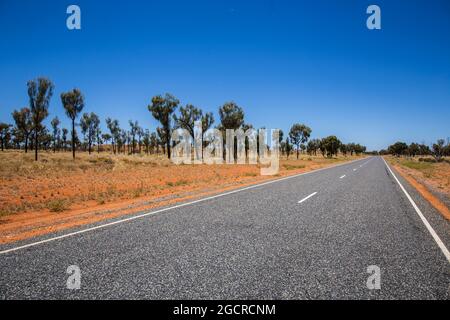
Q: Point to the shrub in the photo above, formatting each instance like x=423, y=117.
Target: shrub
x=58, y=205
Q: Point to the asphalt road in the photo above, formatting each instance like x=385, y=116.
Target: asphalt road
x=311, y=236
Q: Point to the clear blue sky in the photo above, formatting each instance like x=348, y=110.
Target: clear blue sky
x=283, y=61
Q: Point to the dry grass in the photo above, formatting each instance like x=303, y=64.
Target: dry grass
x=426, y=176
x=58, y=183
x=57, y=192
x=432, y=174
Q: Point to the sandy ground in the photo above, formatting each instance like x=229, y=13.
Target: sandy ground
x=56, y=192
x=428, y=179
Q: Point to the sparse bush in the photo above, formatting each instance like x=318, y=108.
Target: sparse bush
x=58, y=205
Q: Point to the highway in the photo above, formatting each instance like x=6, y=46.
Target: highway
x=309, y=236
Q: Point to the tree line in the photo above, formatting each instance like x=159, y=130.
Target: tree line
x=29, y=132
x=438, y=150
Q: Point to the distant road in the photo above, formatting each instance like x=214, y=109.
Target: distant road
x=311, y=236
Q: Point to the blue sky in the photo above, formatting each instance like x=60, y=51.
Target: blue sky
x=313, y=62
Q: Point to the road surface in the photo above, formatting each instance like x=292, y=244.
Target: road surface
x=311, y=236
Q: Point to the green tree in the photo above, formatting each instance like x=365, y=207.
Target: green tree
x=413, y=149
x=398, y=148
x=154, y=143
x=439, y=149
x=331, y=145
x=24, y=124
x=231, y=116
x=288, y=147
x=106, y=137
x=64, y=138
x=344, y=149
x=56, y=132
x=89, y=125
x=312, y=146
x=146, y=141
x=424, y=150
x=134, y=130
x=4, y=134
x=186, y=120
x=207, y=122
x=40, y=92
x=162, y=108
x=299, y=134
x=114, y=129
x=73, y=103
x=162, y=138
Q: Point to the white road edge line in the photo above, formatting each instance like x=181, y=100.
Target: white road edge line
x=342, y=176
x=306, y=198
x=167, y=209
x=424, y=220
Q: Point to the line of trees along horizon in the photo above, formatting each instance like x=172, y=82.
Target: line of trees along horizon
x=438, y=150
x=29, y=132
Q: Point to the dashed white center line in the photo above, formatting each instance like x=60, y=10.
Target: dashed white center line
x=306, y=198
x=342, y=176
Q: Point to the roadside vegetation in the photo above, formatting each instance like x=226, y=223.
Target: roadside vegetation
x=115, y=166
x=85, y=133
x=426, y=168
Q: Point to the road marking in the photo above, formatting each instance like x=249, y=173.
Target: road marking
x=306, y=198
x=342, y=176
x=354, y=169
x=32, y=244
x=424, y=220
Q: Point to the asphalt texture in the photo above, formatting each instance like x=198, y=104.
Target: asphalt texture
x=258, y=243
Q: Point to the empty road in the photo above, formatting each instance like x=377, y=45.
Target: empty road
x=311, y=236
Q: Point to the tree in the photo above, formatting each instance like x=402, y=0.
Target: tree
x=351, y=148
x=313, y=146
x=73, y=103
x=24, y=124
x=162, y=108
x=40, y=92
x=146, y=141
x=359, y=149
x=299, y=134
x=439, y=149
x=162, y=138
x=89, y=126
x=4, y=133
x=288, y=147
x=398, y=148
x=331, y=145
x=413, y=149
x=114, y=129
x=207, y=122
x=106, y=137
x=344, y=149
x=280, y=136
x=187, y=118
x=121, y=139
x=133, y=129
x=56, y=132
x=64, y=138
x=153, y=142
x=231, y=116
x=424, y=150
x=98, y=133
